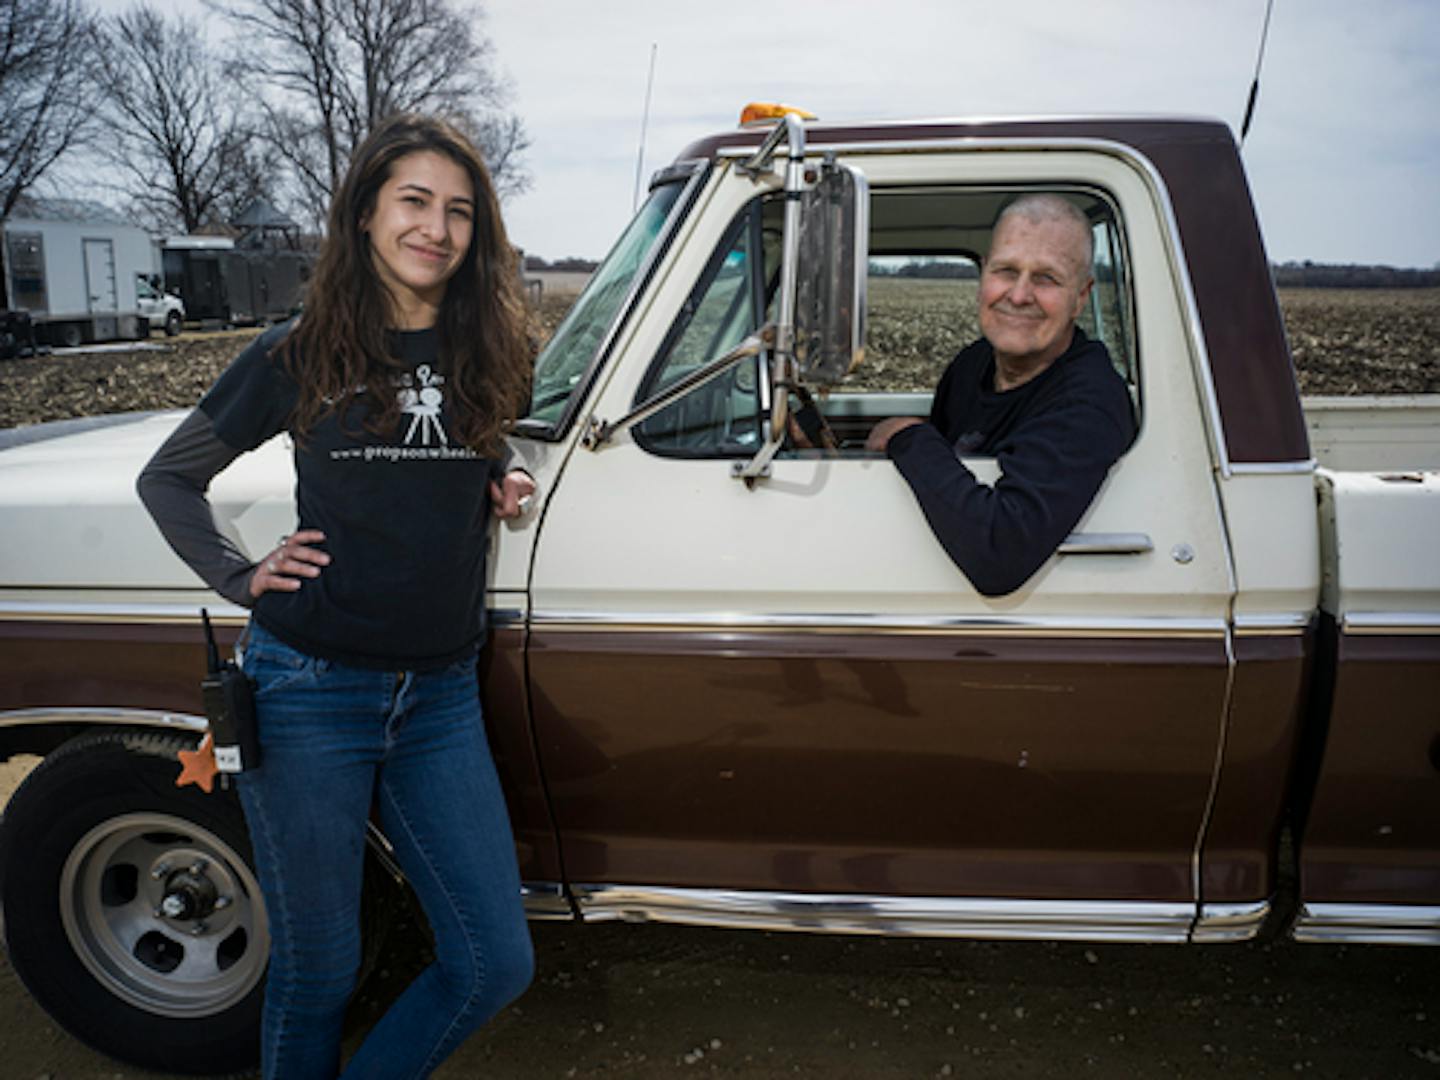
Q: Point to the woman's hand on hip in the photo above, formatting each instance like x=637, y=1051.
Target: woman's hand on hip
x=511, y=496
x=285, y=568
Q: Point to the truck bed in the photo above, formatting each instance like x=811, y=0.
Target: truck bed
x=1375, y=434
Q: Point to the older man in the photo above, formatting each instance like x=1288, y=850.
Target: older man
x=1034, y=391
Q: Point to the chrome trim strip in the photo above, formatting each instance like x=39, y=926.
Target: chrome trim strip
x=1222, y=736
x=1271, y=468
x=503, y=618
x=1117, y=543
x=545, y=901
x=109, y=717
x=1222, y=923
x=1277, y=624
x=1368, y=924
x=163, y=614
x=126, y=612
x=1178, y=263
x=818, y=130
x=1390, y=622
x=845, y=622
x=922, y=916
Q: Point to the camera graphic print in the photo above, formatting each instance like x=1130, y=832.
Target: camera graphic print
x=421, y=398
x=423, y=437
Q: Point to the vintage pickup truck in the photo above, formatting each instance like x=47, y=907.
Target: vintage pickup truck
x=735, y=682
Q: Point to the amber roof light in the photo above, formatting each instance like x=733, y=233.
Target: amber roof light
x=766, y=112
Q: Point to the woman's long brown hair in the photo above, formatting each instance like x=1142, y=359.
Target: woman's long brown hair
x=340, y=345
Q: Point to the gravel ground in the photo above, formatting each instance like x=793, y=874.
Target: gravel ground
x=626, y=1001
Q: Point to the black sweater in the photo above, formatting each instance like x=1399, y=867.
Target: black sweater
x=1055, y=438
x=404, y=514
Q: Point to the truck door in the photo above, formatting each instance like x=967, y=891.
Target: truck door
x=785, y=698
x=100, y=284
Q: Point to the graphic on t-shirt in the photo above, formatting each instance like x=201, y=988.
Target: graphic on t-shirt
x=423, y=405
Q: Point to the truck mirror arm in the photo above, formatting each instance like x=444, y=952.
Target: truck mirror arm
x=600, y=431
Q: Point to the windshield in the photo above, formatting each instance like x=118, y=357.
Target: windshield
x=567, y=361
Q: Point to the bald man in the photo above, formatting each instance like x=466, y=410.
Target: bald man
x=1034, y=391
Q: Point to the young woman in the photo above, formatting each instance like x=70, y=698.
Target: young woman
x=396, y=385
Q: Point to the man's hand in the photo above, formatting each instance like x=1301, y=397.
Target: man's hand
x=881, y=434
x=511, y=497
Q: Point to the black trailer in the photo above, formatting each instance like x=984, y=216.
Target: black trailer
x=233, y=286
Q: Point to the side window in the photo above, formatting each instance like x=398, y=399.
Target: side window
x=921, y=311
x=721, y=418
x=1108, y=315
x=927, y=246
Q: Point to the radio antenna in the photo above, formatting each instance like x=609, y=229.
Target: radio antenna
x=644, y=123
x=1255, y=82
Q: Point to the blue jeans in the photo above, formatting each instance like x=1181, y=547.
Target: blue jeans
x=334, y=740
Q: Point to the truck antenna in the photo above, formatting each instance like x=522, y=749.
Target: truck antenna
x=644, y=122
x=1255, y=82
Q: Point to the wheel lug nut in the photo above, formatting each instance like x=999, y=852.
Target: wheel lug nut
x=160, y=870
x=222, y=902
x=199, y=866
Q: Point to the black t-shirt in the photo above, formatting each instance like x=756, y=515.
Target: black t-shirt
x=404, y=515
x=1054, y=438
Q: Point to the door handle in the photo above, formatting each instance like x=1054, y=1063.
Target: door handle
x=1116, y=543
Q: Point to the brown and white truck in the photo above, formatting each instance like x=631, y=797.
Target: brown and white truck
x=734, y=682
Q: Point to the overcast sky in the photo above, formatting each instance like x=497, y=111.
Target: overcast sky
x=1343, y=155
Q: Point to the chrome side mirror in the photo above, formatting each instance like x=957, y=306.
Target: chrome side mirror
x=830, y=288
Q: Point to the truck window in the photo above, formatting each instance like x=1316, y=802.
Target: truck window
x=574, y=349
x=926, y=249
x=25, y=253
x=731, y=300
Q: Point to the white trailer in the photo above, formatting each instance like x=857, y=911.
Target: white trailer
x=76, y=277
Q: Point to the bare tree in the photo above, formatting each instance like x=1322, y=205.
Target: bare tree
x=503, y=140
x=178, y=136
x=339, y=66
x=44, y=112
x=44, y=48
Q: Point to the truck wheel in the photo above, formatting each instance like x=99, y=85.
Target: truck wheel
x=172, y=324
x=69, y=335
x=131, y=911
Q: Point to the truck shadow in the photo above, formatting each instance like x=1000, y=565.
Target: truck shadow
x=647, y=1000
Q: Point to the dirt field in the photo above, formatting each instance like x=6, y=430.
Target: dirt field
x=1364, y=341
x=1345, y=341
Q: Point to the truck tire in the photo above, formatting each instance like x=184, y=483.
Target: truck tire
x=69, y=335
x=156, y=950
x=172, y=324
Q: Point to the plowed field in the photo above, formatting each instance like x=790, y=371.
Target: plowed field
x=1344, y=341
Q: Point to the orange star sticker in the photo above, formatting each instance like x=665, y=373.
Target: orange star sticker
x=198, y=766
